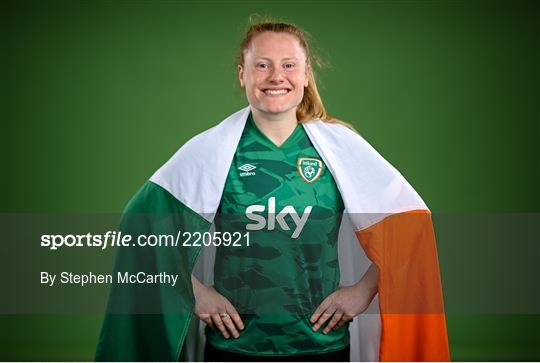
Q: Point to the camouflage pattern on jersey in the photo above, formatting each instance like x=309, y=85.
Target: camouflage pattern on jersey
x=291, y=263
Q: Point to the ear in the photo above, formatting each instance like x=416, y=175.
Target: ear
x=240, y=70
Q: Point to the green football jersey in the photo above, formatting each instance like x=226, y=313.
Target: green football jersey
x=288, y=202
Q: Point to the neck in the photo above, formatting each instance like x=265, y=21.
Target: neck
x=277, y=127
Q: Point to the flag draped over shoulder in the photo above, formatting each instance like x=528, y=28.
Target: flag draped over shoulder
x=386, y=218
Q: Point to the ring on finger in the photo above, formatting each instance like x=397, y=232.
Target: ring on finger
x=224, y=315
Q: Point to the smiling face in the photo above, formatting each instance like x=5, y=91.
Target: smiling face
x=274, y=73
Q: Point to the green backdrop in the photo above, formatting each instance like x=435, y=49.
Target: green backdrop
x=96, y=96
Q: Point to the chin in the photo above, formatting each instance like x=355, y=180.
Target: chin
x=277, y=108
x=274, y=109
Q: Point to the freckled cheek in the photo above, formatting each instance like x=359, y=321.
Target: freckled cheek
x=300, y=80
x=255, y=85
x=252, y=88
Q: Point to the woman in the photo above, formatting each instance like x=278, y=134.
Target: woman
x=284, y=171
x=275, y=71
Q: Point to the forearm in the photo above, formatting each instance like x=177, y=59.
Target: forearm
x=197, y=285
x=368, y=284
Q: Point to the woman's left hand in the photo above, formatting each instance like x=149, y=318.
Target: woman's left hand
x=341, y=306
x=346, y=302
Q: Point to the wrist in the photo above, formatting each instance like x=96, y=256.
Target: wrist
x=365, y=290
x=198, y=287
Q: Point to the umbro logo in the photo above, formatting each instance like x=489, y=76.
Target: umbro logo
x=247, y=167
x=247, y=170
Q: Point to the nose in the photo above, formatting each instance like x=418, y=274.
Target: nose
x=276, y=76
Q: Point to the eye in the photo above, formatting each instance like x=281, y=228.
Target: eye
x=262, y=66
x=289, y=66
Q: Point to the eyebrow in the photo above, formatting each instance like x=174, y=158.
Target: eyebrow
x=288, y=58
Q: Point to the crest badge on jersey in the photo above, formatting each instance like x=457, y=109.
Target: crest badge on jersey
x=310, y=169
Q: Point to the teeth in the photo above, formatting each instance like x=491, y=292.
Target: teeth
x=276, y=91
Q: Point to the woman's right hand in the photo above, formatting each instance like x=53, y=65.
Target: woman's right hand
x=216, y=310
